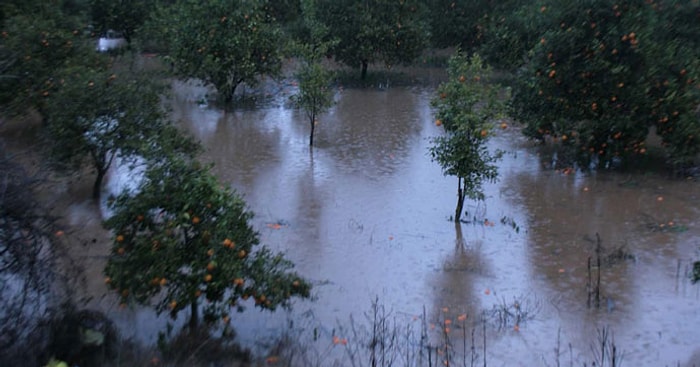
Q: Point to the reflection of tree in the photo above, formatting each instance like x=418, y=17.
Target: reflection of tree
x=456, y=297
x=371, y=131
x=566, y=209
x=309, y=203
x=241, y=142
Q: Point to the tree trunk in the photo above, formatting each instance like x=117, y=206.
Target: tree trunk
x=194, y=317
x=313, y=127
x=364, y=70
x=97, y=186
x=227, y=94
x=460, y=200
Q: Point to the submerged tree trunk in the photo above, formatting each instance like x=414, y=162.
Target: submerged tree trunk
x=460, y=200
x=97, y=186
x=313, y=127
x=364, y=70
x=194, y=317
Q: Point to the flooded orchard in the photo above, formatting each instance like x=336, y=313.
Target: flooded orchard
x=365, y=215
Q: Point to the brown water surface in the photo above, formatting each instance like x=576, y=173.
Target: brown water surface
x=365, y=214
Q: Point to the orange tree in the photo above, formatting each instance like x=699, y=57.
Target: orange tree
x=392, y=32
x=673, y=81
x=510, y=31
x=603, y=73
x=183, y=241
x=221, y=42
x=37, y=38
x=465, y=106
x=315, y=95
x=101, y=113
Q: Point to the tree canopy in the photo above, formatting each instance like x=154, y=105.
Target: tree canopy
x=101, y=114
x=604, y=73
x=391, y=32
x=466, y=106
x=183, y=239
x=221, y=42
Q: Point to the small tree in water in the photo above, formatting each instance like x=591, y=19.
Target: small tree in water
x=315, y=94
x=183, y=239
x=466, y=106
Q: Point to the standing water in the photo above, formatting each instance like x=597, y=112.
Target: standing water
x=365, y=215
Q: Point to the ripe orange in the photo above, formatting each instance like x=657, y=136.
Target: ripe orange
x=295, y=283
x=195, y=220
x=228, y=243
x=210, y=252
x=241, y=254
x=211, y=266
x=108, y=280
x=120, y=238
x=163, y=282
x=504, y=125
x=207, y=278
x=238, y=282
x=173, y=304
x=484, y=133
x=438, y=122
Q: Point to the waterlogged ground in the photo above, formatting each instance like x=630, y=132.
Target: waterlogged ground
x=365, y=216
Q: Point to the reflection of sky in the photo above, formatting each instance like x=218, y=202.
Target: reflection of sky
x=123, y=175
x=207, y=119
x=365, y=216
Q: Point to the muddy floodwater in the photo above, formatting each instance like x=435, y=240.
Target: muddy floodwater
x=365, y=216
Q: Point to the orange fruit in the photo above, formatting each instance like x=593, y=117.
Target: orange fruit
x=504, y=125
x=484, y=133
x=163, y=282
x=211, y=266
x=210, y=252
x=241, y=254
x=120, y=238
x=121, y=251
x=207, y=278
x=295, y=283
x=195, y=220
x=462, y=78
x=173, y=304
x=438, y=122
x=228, y=243
x=108, y=280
